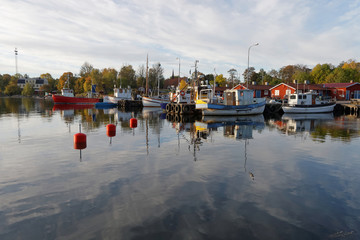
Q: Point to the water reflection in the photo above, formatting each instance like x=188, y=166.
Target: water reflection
x=318, y=126
x=205, y=178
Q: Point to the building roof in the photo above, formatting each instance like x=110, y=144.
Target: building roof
x=301, y=86
x=339, y=85
x=254, y=87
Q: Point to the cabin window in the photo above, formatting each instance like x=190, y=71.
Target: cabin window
x=293, y=97
x=266, y=92
x=304, y=97
x=277, y=92
x=300, y=96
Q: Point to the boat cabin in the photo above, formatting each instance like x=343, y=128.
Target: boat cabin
x=67, y=92
x=122, y=93
x=309, y=98
x=238, y=97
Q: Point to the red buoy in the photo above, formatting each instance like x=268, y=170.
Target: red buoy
x=110, y=130
x=133, y=122
x=79, y=141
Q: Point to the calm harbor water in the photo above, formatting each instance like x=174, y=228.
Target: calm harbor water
x=294, y=177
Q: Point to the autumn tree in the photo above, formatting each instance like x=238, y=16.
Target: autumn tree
x=66, y=78
x=52, y=83
x=286, y=73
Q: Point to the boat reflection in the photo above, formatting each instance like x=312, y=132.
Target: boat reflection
x=236, y=127
x=292, y=124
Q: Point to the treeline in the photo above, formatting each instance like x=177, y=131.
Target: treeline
x=104, y=79
x=107, y=78
x=321, y=73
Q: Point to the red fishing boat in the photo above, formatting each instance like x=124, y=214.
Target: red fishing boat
x=67, y=97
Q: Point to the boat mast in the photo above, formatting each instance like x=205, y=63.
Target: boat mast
x=147, y=76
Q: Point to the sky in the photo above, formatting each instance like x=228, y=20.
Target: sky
x=53, y=36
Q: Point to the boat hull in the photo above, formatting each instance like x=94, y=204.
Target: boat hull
x=152, y=102
x=58, y=99
x=209, y=109
x=309, y=109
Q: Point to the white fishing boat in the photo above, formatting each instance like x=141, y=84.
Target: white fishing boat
x=308, y=102
x=235, y=102
x=154, y=101
x=119, y=94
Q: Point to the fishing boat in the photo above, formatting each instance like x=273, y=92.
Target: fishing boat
x=155, y=101
x=235, y=102
x=119, y=94
x=67, y=96
x=308, y=102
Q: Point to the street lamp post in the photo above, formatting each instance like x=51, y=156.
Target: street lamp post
x=247, y=80
x=179, y=71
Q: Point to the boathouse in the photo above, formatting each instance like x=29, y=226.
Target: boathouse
x=282, y=89
x=260, y=91
x=344, y=91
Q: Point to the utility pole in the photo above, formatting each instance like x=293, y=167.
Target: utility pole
x=147, y=75
x=16, y=66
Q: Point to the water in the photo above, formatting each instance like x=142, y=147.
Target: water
x=243, y=178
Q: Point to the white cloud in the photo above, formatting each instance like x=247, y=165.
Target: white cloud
x=59, y=36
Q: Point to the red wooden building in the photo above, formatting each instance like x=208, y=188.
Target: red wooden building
x=259, y=90
x=344, y=91
x=282, y=89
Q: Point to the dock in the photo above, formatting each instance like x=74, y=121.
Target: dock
x=129, y=104
x=351, y=107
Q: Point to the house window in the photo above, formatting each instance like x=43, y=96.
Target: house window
x=266, y=92
x=277, y=92
x=288, y=92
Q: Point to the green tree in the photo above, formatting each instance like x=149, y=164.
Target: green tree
x=109, y=77
x=28, y=90
x=4, y=81
x=96, y=79
x=127, y=77
x=79, y=85
x=220, y=80
x=12, y=89
x=320, y=72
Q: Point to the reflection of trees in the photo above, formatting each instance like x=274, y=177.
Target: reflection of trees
x=320, y=133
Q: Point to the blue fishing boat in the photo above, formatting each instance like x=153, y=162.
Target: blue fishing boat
x=234, y=102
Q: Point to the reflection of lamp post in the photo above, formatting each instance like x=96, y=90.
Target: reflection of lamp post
x=179, y=70
x=247, y=80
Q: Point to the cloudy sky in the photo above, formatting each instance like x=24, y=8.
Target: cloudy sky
x=55, y=36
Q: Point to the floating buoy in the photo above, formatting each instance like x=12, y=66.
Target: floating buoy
x=133, y=122
x=110, y=130
x=79, y=141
